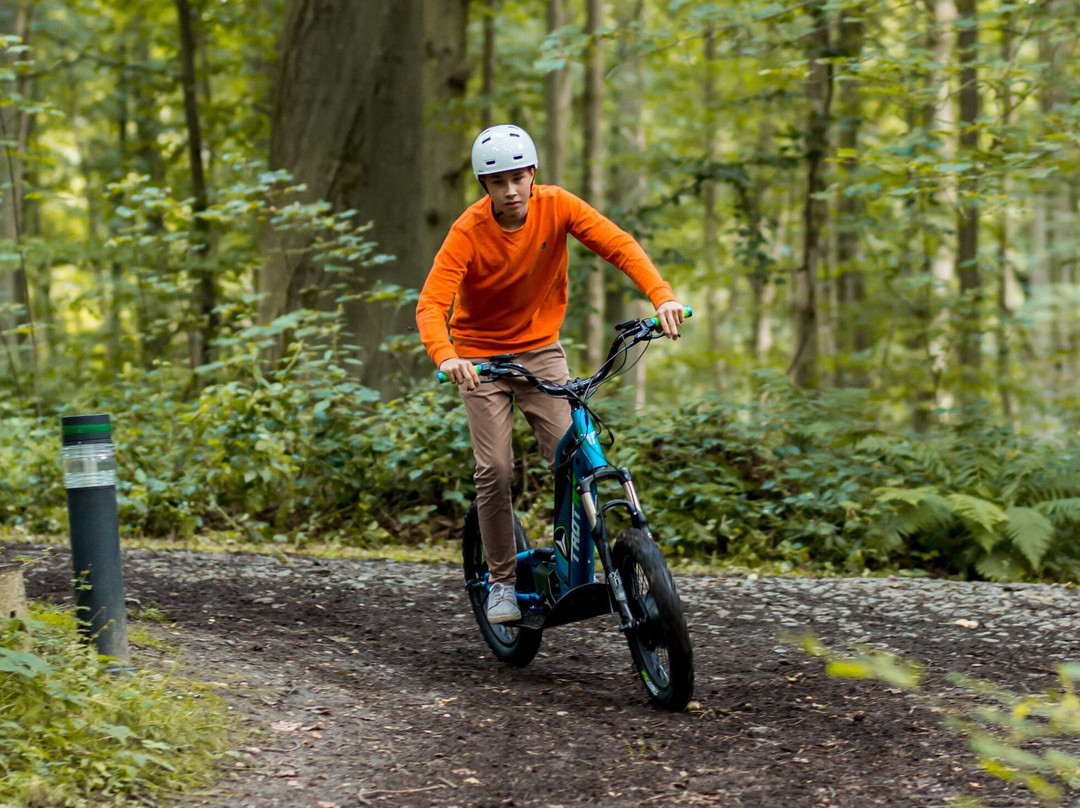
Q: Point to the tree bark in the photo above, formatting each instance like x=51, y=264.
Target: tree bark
x=206, y=289
x=623, y=301
x=594, y=173
x=940, y=117
x=18, y=332
x=803, y=366
x=557, y=97
x=851, y=280
x=710, y=225
x=357, y=118
x=1053, y=217
x=967, y=256
x=487, y=71
x=1007, y=291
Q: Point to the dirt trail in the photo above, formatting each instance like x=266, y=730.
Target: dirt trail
x=370, y=685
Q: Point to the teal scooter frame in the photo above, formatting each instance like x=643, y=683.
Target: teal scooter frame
x=558, y=584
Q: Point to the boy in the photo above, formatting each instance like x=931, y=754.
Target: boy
x=503, y=268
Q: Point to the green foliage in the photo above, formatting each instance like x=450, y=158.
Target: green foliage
x=773, y=481
x=299, y=453
x=811, y=481
x=981, y=497
x=74, y=734
x=293, y=449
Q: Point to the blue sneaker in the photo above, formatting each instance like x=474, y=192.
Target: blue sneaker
x=502, y=604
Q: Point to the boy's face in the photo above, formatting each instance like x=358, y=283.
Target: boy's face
x=509, y=192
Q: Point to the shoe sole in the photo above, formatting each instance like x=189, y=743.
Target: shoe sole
x=504, y=618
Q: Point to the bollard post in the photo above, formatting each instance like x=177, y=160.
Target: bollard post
x=90, y=480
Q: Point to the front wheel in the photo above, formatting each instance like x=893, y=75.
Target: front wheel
x=658, y=639
x=515, y=646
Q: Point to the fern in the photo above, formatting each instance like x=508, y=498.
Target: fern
x=914, y=511
x=999, y=566
x=982, y=516
x=1030, y=532
x=909, y=496
x=1062, y=510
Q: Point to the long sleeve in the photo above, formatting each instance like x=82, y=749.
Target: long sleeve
x=618, y=248
x=508, y=288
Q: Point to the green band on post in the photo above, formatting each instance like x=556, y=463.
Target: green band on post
x=86, y=429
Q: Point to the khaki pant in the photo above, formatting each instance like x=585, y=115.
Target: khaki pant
x=490, y=410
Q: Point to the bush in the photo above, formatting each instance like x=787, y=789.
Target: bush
x=795, y=479
x=72, y=734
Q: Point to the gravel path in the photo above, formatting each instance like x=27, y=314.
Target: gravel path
x=368, y=684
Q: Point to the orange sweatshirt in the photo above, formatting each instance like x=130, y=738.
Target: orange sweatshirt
x=508, y=287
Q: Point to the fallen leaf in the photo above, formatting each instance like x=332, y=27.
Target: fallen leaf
x=286, y=726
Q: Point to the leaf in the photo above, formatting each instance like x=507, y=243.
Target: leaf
x=848, y=669
x=1066, y=508
x=1008, y=755
x=981, y=515
x=999, y=566
x=118, y=731
x=1030, y=532
x=24, y=664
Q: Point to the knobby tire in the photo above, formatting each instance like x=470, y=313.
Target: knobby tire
x=659, y=642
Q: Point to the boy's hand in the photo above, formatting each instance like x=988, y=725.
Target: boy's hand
x=669, y=315
x=460, y=371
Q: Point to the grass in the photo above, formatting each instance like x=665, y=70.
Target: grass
x=229, y=542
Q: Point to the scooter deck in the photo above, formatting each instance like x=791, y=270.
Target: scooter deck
x=579, y=603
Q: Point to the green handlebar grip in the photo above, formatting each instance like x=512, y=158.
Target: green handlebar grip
x=443, y=378
x=687, y=311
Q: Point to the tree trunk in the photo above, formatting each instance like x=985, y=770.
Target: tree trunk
x=851, y=280
x=357, y=118
x=206, y=290
x=710, y=224
x=557, y=97
x=623, y=300
x=803, y=367
x=1007, y=289
x=967, y=264
x=16, y=314
x=487, y=72
x=115, y=306
x=941, y=117
x=594, y=173
x=1052, y=220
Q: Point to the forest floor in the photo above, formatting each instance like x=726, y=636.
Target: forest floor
x=367, y=683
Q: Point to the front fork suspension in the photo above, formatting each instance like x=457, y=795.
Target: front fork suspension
x=599, y=534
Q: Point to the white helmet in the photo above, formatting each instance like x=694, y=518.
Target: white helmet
x=502, y=148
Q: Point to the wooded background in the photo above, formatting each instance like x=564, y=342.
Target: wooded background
x=213, y=206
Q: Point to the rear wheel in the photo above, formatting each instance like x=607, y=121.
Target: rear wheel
x=658, y=639
x=513, y=645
